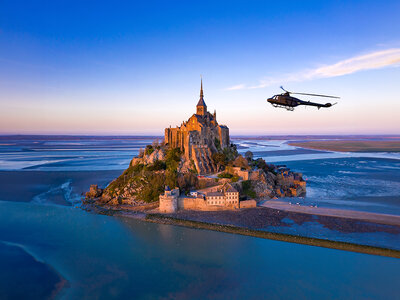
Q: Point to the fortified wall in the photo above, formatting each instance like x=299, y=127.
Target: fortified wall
x=199, y=137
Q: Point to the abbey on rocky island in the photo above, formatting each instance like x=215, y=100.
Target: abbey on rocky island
x=199, y=137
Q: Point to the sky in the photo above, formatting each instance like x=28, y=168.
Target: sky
x=134, y=67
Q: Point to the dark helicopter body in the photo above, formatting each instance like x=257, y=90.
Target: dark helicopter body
x=284, y=100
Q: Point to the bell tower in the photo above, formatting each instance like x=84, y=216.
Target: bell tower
x=201, y=107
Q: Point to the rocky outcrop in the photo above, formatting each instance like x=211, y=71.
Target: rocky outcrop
x=263, y=183
x=94, y=192
x=147, y=159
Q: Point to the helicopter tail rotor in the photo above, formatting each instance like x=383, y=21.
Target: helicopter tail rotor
x=330, y=104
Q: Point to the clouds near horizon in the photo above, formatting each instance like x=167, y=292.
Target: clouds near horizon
x=373, y=60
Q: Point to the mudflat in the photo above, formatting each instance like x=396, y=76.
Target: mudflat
x=351, y=146
x=331, y=212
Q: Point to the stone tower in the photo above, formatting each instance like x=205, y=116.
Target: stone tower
x=201, y=107
x=169, y=200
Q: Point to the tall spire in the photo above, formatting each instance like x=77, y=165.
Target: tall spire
x=201, y=106
x=201, y=88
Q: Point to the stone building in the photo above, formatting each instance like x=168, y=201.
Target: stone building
x=169, y=200
x=199, y=137
x=226, y=196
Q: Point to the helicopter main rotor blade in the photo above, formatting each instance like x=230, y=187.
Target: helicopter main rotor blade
x=285, y=90
x=316, y=95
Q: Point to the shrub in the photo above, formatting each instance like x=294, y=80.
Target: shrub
x=249, y=156
x=149, y=150
x=219, y=159
x=157, y=165
x=235, y=178
x=225, y=175
x=187, y=181
x=137, y=168
x=217, y=144
x=172, y=158
x=248, y=189
x=151, y=190
x=241, y=162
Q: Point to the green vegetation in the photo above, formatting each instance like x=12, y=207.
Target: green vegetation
x=219, y=159
x=148, y=150
x=188, y=181
x=249, y=155
x=241, y=162
x=223, y=158
x=193, y=168
x=231, y=152
x=173, y=158
x=248, y=189
x=217, y=144
x=225, y=175
x=235, y=178
x=261, y=164
x=157, y=166
x=147, y=182
x=152, y=187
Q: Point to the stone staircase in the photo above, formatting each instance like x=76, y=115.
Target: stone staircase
x=203, y=160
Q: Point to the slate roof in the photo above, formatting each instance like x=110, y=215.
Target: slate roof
x=201, y=102
x=215, y=194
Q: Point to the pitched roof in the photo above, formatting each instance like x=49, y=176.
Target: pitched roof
x=215, y=194
x=201, y=102
x=229, y=188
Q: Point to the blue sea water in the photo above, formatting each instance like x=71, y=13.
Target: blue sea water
x=104, y=257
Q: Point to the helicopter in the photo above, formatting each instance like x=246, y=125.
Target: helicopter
x=288, y=102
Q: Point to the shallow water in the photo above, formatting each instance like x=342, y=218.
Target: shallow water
x=106, y=257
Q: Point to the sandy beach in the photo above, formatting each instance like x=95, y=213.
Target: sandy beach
x=331, y=212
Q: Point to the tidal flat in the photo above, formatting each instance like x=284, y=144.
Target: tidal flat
x=107, y=257
x=351, y=146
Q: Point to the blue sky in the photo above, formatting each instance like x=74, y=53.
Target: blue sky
x=95, y=67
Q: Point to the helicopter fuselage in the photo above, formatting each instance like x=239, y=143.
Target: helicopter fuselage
x=289, y=102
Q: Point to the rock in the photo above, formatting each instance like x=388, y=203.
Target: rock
x=157, y=154
x=94, y=192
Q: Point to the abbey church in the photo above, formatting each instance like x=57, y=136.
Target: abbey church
x=199, y=137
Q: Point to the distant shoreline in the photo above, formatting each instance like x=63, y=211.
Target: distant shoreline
x=351, y=145
x=250, y=136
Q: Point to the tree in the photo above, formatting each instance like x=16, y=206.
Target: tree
x=217, y=144
x=187, y=181
x=241, y=162
x=249, y=155
x=219, y=159
x=149, y=150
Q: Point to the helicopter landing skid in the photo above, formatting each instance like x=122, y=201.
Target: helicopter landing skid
x=285, y=107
